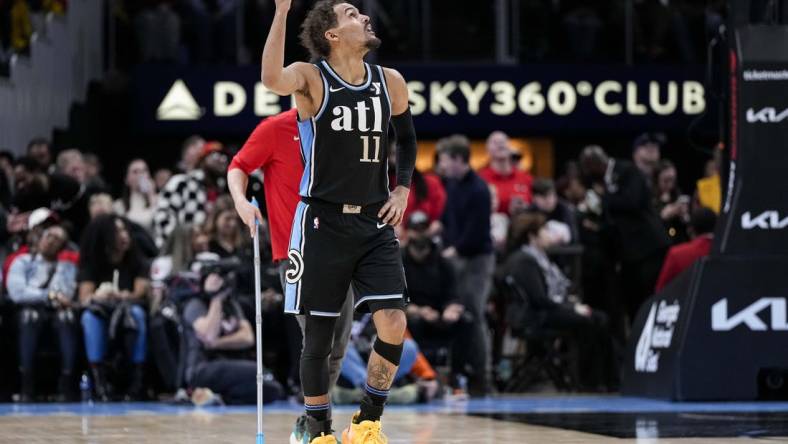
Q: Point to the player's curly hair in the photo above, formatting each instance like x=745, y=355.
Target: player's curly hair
x=318, y=20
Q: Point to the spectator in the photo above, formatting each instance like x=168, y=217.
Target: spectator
x=709, y=188
x=139, y=197
x=200, y=241
x=72, y=163
x=671, y=205
x=646, y=154
x=93, y=170
x=218, y=343
x=59, y=192
x=186, y=197
x=427, y=193
x=42, y=282
x=35, y=222
x=466, y=235
x=31, y=186
x=70, y=191
x=113, y=285
x=21, y=26
x=512, y=183
x=560, y=216
x=225, y=229
x=228, y=239
x=175, y=257
x=39, y=150
x=101, y=204
x=682, y=256
x=640, y=238
x=598, y=262
x=161, y=177
x=547, y=290
x=191, y=151
x=570, y=186
x=435, y=315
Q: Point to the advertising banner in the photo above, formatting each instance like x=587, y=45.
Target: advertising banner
x=473, y=99
x=755, y=209
x=712, y=335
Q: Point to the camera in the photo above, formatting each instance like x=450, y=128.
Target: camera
x=209, y=263
x=222, y=267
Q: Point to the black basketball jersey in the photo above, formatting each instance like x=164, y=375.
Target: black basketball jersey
x=345, y=145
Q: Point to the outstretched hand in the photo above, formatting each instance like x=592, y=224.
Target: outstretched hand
x=283, y=5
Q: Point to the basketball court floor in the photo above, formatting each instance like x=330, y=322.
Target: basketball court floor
x=538, y=420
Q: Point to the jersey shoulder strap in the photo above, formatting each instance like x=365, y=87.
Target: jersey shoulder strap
x=379, y=82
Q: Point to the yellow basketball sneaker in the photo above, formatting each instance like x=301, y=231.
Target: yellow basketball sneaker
x=367, y=432
x=324, y=439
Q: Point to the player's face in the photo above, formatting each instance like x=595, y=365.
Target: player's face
x=354, y=28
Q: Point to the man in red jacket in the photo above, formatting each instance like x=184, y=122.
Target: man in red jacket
x=682, y=256
x=274, y=147
x=512, y=184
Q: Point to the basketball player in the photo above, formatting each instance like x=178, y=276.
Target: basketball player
x=274, y=148
x=343, y=228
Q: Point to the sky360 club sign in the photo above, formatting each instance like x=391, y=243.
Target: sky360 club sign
x=473, y=99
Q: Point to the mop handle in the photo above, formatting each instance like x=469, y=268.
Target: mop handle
x=258, y=327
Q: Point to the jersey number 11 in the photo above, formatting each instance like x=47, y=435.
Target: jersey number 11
x=376, y=158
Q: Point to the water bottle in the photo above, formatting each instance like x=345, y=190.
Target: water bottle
x=85, y=388
x=505, y=370
x=462, y=385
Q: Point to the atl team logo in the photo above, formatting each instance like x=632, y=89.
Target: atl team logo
x=296, y=268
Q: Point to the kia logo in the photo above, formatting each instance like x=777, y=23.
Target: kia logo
x=750, y=316
x=766, y=115
x=768, y=220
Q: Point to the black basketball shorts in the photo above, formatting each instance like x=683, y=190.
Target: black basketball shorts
x=330, y=250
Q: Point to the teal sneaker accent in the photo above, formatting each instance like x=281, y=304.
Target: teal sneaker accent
x=300, y=434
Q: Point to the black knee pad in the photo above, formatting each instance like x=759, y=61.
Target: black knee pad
x=318, y=340
x=389, y=352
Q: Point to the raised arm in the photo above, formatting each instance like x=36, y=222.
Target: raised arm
x=277, y=78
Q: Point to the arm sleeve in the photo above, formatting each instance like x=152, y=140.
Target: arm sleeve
x=406, y=147
x=18, y=289
x=256, y=152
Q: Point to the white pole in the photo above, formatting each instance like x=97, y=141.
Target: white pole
x=258, y=328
